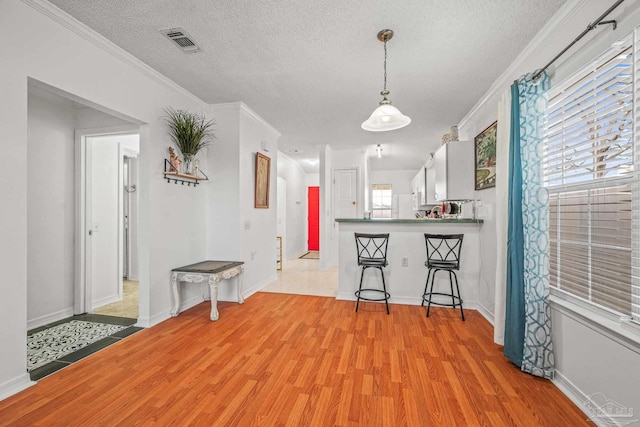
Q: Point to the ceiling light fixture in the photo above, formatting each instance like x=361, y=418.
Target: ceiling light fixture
x=379, y=150
x=386, y=117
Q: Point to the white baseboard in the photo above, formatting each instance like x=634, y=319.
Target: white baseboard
x=104, y=301
x=485, y=313
x=349, y=296
x=296, y=255
x=15, y=385
x=134, y=278
x=581, y=400
x=258, y=286
x=49, y=318
x=148, y=322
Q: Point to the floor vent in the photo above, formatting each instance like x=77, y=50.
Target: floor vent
x=181, y=39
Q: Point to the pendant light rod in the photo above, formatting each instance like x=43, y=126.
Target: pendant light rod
x=386, y=117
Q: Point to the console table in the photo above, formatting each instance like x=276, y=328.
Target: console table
x=213, y=272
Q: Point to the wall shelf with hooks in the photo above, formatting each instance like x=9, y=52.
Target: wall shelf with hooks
x=170, y=174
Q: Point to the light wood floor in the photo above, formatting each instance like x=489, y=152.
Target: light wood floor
x=284, y=359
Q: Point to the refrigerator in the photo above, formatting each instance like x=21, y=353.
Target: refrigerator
x=401, y=206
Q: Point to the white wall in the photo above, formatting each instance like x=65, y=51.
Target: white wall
x=343, y=159
x=237, y=230
x=132, y=90
x=281, y=212
x=588, y=360
x=257, y=245
x=326, y=205
x=50, y=209
x=296, y=206
x=400, y=180
x=312, y=180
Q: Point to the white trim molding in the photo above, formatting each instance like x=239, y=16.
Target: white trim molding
x=107, y=46
x=546, y=36
x=15, y=385
x=49, y=318
x=615, y=330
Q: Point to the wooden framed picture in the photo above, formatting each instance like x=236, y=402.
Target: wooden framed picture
x=485, y=157
x=263, y=172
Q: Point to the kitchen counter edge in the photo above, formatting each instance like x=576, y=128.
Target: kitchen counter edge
x=412, y=220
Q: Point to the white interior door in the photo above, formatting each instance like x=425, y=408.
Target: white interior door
x=345, y=195
x=104, y=199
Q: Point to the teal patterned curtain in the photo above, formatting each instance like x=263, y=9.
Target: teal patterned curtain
x=537, y=348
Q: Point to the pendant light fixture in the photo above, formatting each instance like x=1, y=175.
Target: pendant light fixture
x=386, y=117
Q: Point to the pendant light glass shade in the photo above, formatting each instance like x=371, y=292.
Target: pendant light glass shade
x=386, y=117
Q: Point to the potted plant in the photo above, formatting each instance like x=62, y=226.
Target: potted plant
x=191, y=132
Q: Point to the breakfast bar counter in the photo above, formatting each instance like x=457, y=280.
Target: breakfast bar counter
x=406, y=273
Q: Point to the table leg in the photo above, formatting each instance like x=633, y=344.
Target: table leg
x=213, y=289
x=176, y=294
x=240, y=283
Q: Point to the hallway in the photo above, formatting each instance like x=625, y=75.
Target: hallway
x=302, y=277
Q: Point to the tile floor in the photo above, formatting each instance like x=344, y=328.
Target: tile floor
x=70, y=358
x=128, y=307
x=302, y=277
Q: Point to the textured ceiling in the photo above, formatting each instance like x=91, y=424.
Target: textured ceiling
x=313, y=69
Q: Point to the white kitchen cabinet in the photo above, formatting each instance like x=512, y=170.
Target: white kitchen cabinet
x=418, y=188
x=440, y=168
x=430, y=188
x=450, y=173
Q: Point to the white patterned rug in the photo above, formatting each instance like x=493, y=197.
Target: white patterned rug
x=53, y=343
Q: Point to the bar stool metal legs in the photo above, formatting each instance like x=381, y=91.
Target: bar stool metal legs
x=456, y=301
x=385, y=296
x=372, y=253
x=443, y=254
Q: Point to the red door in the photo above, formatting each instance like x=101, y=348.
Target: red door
x=314, y=218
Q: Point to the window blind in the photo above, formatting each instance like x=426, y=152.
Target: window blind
x=381, y=199
x=588, y=169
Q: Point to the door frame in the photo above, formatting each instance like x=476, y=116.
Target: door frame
x=334, y=229
x=82, y=253
x=132, y=154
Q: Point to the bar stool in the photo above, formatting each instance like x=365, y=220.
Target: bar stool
x=372, y=253
x=443, y=254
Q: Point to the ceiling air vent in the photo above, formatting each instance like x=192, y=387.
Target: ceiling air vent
x=182, y=40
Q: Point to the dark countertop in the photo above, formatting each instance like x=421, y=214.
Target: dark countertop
x=412, y=220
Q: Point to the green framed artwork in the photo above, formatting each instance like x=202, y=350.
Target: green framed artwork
x=485, y=157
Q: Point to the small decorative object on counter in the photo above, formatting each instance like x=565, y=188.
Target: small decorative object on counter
x=367, y=215
x=454, y=133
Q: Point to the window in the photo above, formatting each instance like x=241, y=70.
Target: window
x=381, y=200
x=589, y=171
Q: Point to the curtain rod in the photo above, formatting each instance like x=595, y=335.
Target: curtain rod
x=590, y=27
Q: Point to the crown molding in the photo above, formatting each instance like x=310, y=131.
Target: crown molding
x=544, y=37
x=243, y=108
x=77, y=27
x=249, y=112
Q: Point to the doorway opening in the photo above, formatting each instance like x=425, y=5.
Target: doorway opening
x=110, y=210
x=56, y=225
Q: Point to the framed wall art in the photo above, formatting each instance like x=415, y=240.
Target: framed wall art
x=485, y=157
x=263, y=172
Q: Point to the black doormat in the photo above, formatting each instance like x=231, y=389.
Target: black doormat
x=311, y=255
